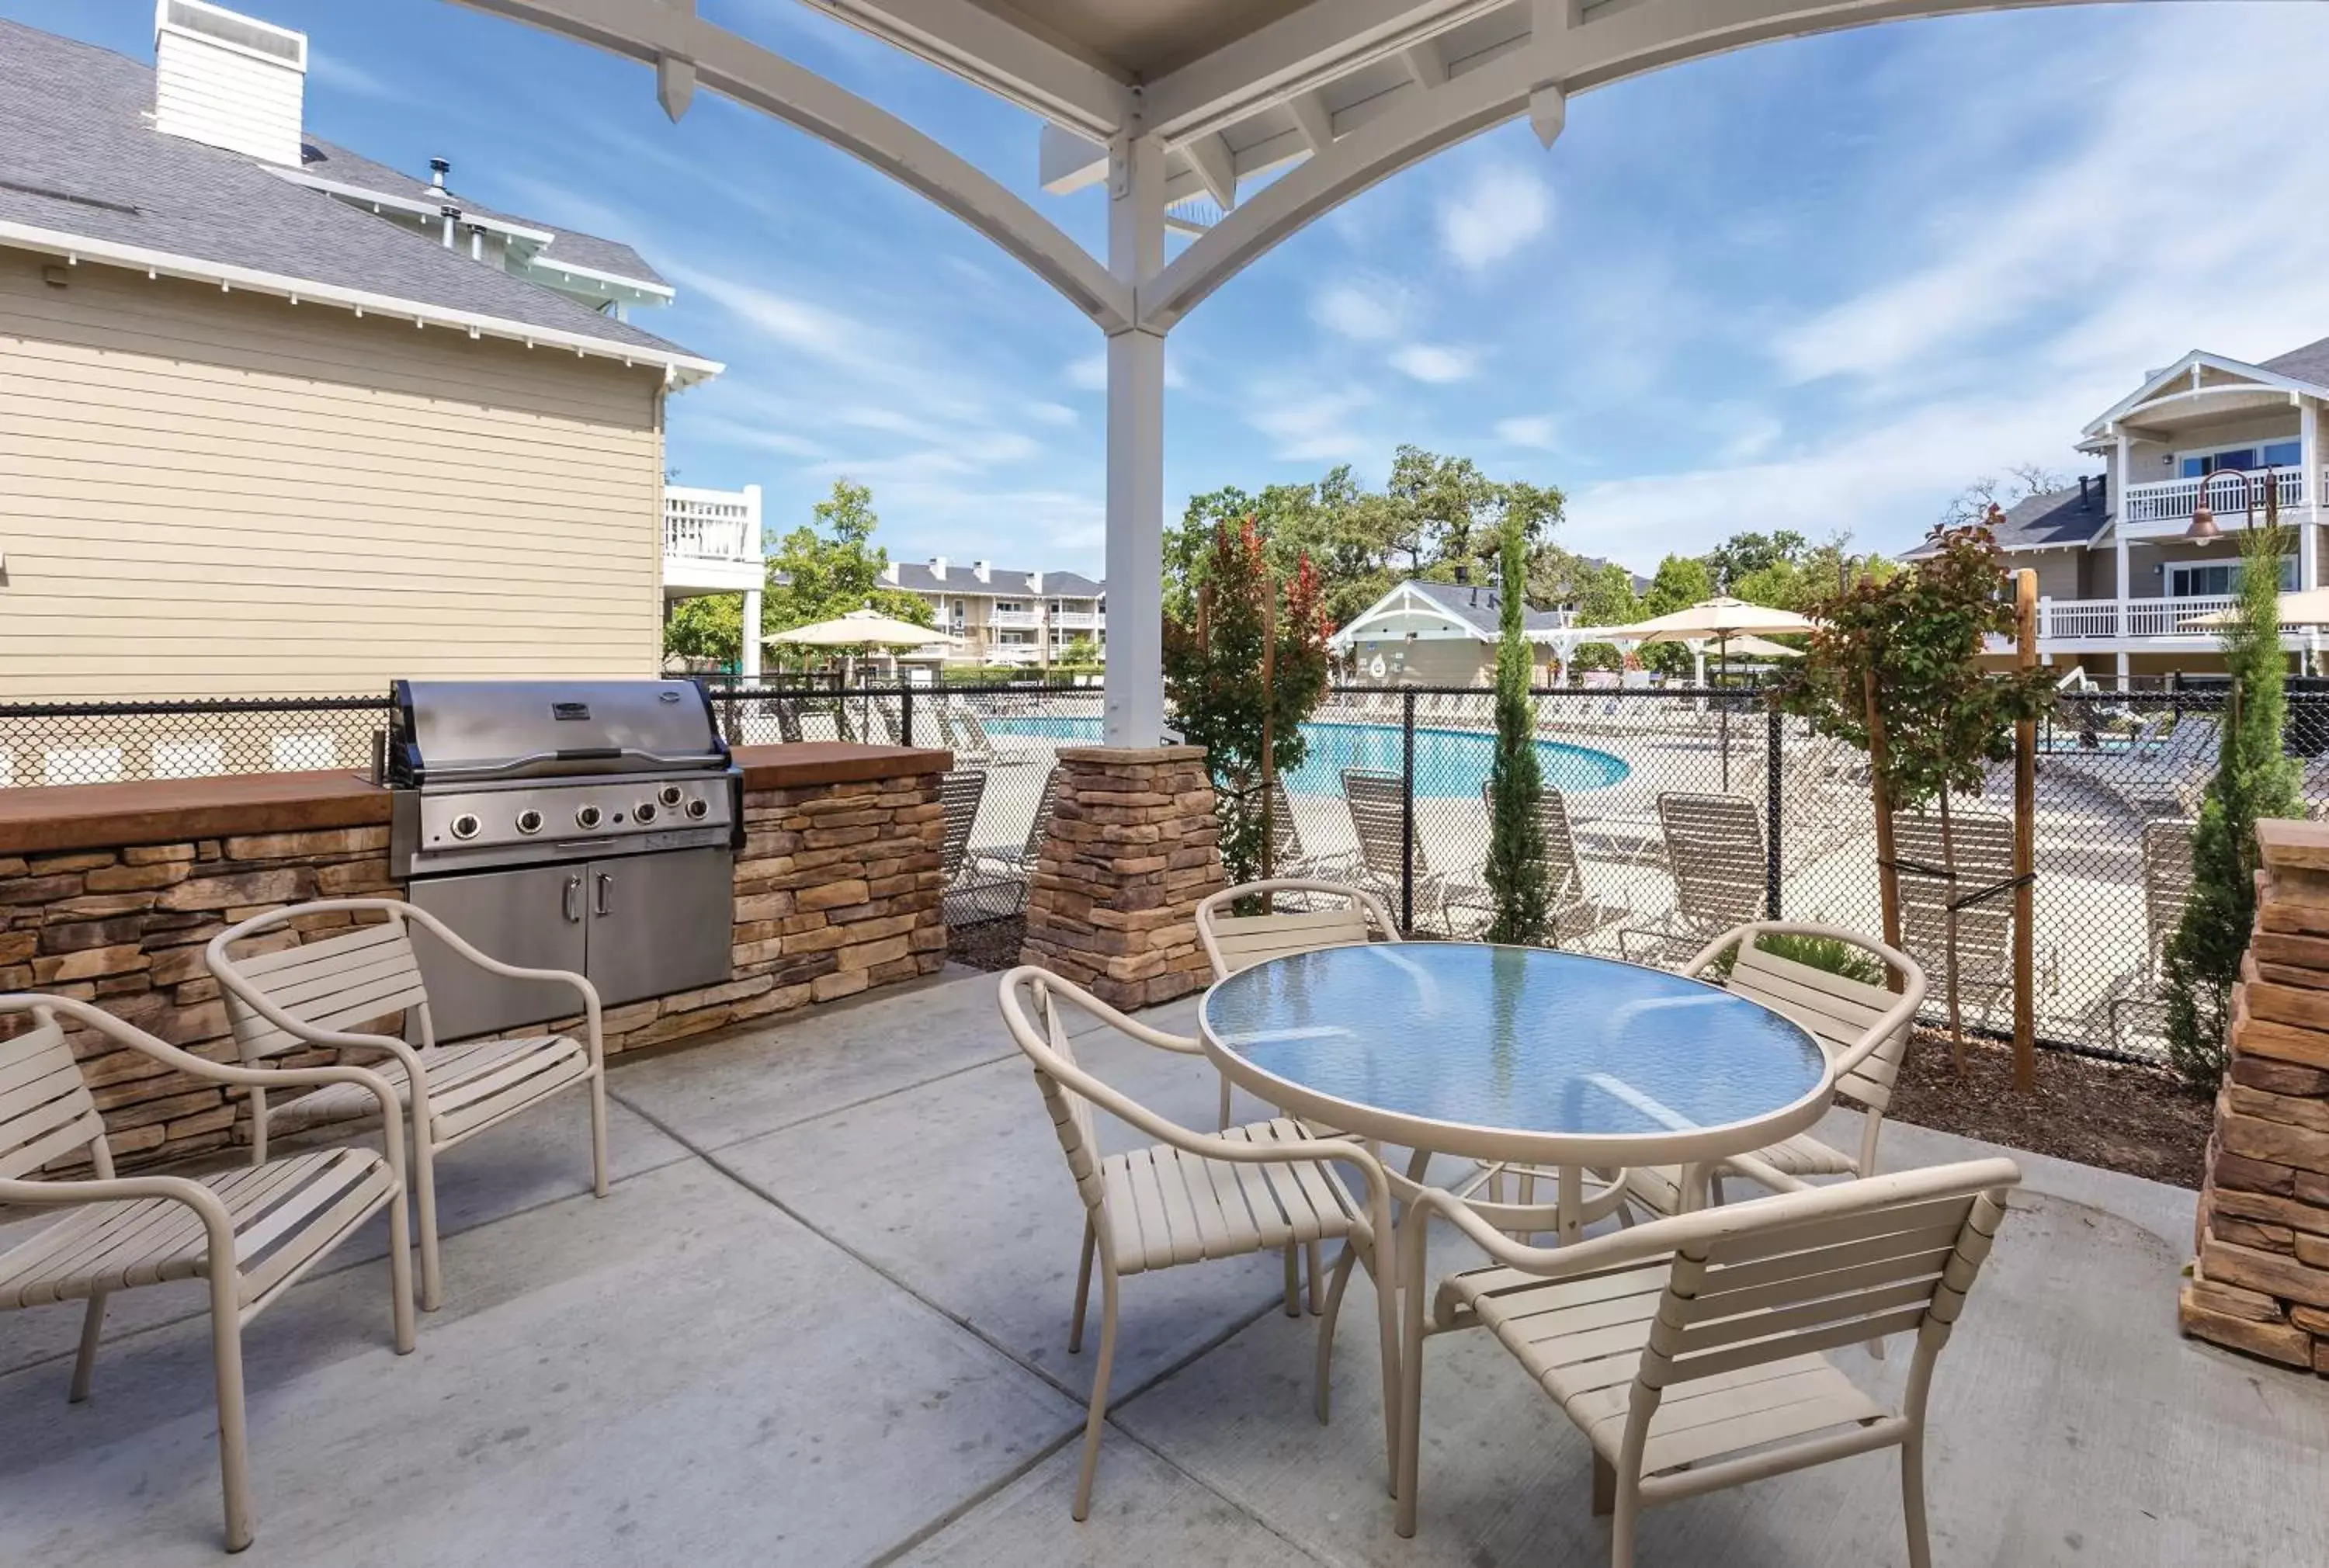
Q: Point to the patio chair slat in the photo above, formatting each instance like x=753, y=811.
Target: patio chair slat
x=1922, y=1240
x=1806, y=1240
x=1821, y=1406
x=50, y=1112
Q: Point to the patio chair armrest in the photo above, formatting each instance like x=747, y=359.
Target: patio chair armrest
x=1765, y=1175
x=1180, y=1045
x=218, y=1225
x=580, y=984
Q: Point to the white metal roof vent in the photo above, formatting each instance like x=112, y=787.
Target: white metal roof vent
x=229, y=81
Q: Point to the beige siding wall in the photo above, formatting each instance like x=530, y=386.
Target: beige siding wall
x=204, y=493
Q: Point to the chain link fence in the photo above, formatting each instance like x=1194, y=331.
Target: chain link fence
x=76, y=742
x=1671, y=814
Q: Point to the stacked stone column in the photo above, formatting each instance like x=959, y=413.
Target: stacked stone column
x=2262, y=1283
x=1134, y=847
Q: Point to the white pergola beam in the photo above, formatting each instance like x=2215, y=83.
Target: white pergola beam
x=1417, y=124
x=1296, y=54
x=1426, y=66
x=1133, y=699
x=736, y=68
x=1041, y=76
x=1312, y=119
x=1215, y=167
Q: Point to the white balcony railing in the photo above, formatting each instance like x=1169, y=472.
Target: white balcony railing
x=1012, y=618
x=2174, y=500
x=711, y=525
x=2070, y=620
x=1076, y=620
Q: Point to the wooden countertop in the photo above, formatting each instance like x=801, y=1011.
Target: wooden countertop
x=98, y=816
x=42, y=821
x=821, y=762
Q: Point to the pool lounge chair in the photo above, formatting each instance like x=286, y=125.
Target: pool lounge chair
x=1015, y=867
x=1576, y=915
x=2166, y=887
x=1984, y=930
x=1377, y=806
x=1714, y=851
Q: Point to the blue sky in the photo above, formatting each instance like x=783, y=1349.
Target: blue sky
x=1816, y=285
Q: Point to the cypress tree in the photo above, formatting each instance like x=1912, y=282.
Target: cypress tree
x=1517, y=885
x=2254, y=778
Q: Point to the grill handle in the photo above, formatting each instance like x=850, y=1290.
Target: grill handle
x=606, y=886
x=569, y=905
x=532, y=759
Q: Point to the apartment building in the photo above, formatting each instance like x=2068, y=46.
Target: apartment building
x=1006, y=617
x=285, y=419
x=2126, y=557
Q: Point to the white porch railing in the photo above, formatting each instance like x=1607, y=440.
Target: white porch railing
x=715, y=525
x=2068, y=620
x=1014, y=618
x=1076, y=620
x=2174, y=500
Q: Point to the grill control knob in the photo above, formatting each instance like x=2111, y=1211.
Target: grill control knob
x=645, y=812
x=699, y=808
x=586, y=817
x=465, y=825
x=529, y=821
x=671, y=794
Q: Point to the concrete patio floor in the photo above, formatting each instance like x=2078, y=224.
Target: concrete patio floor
x=822, y=1319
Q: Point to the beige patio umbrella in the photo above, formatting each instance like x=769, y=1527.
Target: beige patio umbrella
x=862, y=628
x=1758, y=648
x=2308, y=608
x=1723, y=619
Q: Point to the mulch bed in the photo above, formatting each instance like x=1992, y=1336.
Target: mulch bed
x=2141, y=1120
x=2138, y=1120
x=991, y=944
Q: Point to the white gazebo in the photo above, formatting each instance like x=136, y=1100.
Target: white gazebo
x=1236, y=122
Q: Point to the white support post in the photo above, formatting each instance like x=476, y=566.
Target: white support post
x=750, y=667
x=2125, y=588
x=1134, y=686
x=2308, y=457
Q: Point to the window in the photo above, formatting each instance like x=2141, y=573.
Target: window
x=1008, y=606
x=2219, y=579
x=2269, y=454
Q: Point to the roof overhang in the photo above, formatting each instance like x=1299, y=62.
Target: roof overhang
x=412, y=206
x=2184, y=390
x=679, y=369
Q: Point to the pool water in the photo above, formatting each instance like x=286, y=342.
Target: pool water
x=1449, y=763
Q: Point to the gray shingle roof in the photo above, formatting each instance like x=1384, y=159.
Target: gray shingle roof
x=918, y=577
x=1480, y=607
x=78, y=156
x=349, y=168
x=2068, y=518
x=2309, y=364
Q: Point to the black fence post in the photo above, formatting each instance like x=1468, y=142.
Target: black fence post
x=1772, y=796
x=906, y=714
x=1407, y=812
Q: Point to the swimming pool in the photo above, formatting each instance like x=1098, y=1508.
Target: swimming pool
x=1449, y=763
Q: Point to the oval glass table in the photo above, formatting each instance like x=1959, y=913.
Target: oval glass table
x=1517, y=1056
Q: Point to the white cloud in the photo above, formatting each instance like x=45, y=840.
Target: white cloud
x=1534, y=431
x=1365, y=311
x=1307, y=424
x=795, y=323
x=1048, y=413
x=341, y=76
x=1502, y=209
x=1435, y=363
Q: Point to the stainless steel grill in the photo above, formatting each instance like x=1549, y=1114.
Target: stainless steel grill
x=579, y=825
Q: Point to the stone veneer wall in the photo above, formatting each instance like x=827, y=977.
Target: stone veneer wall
x=837, y=890
x=2261, y=1282
x=1134, y=848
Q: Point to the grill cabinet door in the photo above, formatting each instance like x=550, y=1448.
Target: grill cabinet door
x=661, y=923
x=532, y=917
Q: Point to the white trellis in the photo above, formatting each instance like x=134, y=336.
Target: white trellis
x=1176, y=105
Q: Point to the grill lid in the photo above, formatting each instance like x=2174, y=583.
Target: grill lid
x=469, y=731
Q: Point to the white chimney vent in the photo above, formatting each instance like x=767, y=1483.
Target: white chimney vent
x=938, y=566
x=229, y=81
x=982, y=570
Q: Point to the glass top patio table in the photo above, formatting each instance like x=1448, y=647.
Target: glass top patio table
x=1515, y=1053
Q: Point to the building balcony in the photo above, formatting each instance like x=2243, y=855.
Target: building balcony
x=1078, y=620
x=1017, y=620
x=710, y=540
x=2108, y=625
x=2166, y=509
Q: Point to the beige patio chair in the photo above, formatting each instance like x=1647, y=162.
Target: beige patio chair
x=959, y=794
x=250, y=1235
x=1714, y=850
x=1576, y=915
x=322, y=995
x=820, y=724
x=1864, y=1027
x=2166, y=888
x=1984, y=844
x=1016, y=868
x=1290, y=856
x=1378, y=807
x=1266, y=1187
x=1688, y=1350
